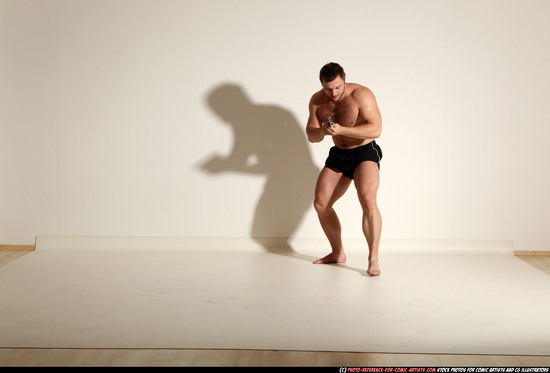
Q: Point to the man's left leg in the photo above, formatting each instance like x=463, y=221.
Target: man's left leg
x=367, y=180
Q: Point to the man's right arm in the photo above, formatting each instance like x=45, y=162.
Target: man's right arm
x=314, y=130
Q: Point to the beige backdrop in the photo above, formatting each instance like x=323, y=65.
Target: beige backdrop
x=186, y=118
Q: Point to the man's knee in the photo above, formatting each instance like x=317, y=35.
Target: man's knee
x=321, y=205
x=318, y=205
x=368, y=201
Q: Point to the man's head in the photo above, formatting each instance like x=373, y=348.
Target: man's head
x=333, y=80
x=331, y=71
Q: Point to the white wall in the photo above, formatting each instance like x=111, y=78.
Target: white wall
x=107, y=127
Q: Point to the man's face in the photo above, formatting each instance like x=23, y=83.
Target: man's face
x=334, y=89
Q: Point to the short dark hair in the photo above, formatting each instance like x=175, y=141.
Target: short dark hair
x=331, y=71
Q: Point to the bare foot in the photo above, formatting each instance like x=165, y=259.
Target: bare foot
x=374, y=269
x=332, y=258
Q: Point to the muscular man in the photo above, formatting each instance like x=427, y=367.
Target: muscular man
x=355, y=156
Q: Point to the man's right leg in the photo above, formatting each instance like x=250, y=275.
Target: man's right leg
x=331, y=185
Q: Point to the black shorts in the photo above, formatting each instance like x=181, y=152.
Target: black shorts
x=347, y=160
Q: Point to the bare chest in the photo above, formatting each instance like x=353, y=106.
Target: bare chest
x=345, y=113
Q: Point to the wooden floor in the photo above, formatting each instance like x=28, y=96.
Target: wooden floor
x=260, y=358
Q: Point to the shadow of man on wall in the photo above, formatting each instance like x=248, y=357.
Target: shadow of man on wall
x=268, y=141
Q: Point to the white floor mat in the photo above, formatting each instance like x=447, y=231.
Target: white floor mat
x=424, y=302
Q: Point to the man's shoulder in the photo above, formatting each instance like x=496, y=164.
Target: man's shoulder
x=358, y=89
x=318, y=98
x=360, y=93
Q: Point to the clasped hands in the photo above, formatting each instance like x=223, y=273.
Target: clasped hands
x=330, y=131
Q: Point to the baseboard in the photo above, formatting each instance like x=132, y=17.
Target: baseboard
x=144, y=243
x=314, y=246
x=531, y=253
x=16, y=247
